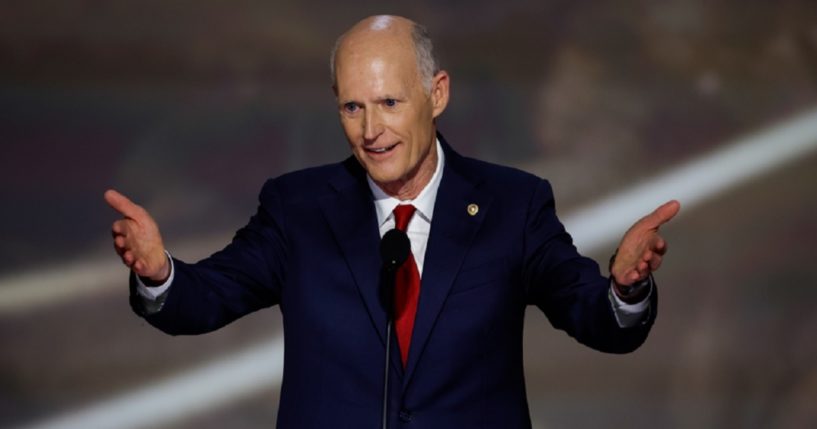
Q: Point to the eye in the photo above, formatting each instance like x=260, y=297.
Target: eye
x=390, y=102
x=350, y=107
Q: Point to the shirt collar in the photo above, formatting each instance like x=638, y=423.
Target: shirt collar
x=424, y=203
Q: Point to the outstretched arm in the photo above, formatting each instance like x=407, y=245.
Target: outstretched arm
x=241, y=278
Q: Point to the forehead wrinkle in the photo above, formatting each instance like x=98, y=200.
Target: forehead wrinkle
x=376, y=78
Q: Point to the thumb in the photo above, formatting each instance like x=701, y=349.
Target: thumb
x=122, y=204
x=662, y=214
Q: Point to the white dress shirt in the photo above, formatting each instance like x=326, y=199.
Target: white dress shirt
x=420, y=224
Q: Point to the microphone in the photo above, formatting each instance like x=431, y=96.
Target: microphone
x=395, y=248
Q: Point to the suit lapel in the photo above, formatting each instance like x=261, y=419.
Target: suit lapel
x=351, y=215
x=452, y=231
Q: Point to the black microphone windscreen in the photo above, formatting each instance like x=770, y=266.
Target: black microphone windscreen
x=394, y=248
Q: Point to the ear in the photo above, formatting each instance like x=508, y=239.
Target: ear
x=439, y=92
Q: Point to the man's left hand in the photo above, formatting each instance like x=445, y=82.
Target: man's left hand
x=642, y=249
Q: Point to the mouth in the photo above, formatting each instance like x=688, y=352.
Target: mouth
x=381, y=150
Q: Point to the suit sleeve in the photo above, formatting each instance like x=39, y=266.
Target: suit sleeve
x=245, y=276
x=569, y=287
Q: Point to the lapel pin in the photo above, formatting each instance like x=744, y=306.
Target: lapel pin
x=473, y=209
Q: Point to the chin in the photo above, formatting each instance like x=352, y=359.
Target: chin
x=381, y=171
x=383, y=179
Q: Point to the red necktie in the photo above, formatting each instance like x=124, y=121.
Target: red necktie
x=406, y=288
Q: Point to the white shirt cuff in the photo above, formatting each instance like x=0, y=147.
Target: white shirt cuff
x=152, y=293
x=629, y=315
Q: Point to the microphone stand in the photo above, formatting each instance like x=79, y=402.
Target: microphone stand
x=394, y=250
x=386, y=376
x=389, y=272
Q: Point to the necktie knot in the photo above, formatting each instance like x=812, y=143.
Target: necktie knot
x=402, y=215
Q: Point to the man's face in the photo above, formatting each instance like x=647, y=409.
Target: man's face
x=386, y=113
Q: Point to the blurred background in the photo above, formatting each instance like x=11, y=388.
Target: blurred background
x=188, y=106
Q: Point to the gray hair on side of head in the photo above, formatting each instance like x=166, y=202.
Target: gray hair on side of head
x=427, y=63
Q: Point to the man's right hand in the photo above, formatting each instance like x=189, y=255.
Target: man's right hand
x=137, y=240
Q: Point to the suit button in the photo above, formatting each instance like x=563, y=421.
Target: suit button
x=405, y=416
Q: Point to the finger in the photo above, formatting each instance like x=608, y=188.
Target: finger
x=122, y=204
x=660, y=246
x=121, y=252
x=662, y=214
x=138, y=267
x=127, y=258
x=120, y=227
x=655, y=262
x=119, y=242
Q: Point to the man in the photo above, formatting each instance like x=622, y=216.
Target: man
x=485, y=244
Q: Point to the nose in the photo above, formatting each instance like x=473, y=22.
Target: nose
x=372, y=125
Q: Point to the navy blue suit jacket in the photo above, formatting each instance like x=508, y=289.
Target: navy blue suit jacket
x=312, y=248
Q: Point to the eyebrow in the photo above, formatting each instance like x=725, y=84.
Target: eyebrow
x=378, y=99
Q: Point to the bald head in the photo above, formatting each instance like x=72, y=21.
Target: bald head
x=387, y=32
